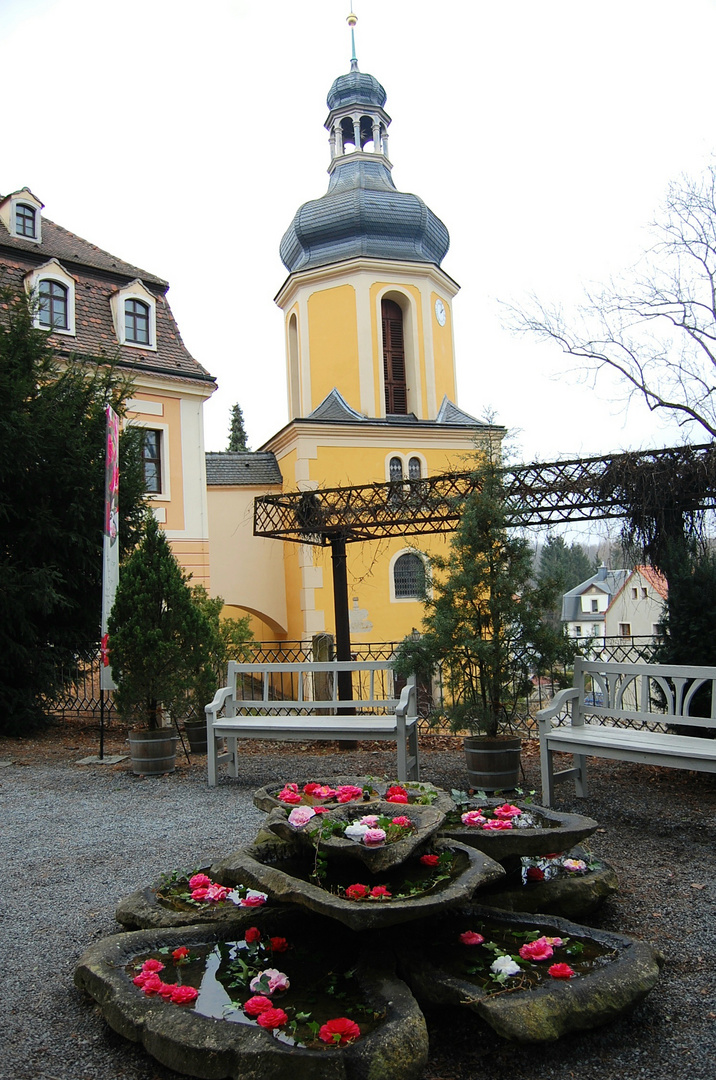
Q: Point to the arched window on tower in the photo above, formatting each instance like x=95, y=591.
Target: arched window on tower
x=409, y=577
x=396, y=391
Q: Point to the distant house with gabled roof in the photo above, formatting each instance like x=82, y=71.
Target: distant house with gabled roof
x=616, y=603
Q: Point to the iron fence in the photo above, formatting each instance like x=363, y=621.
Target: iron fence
x=80, y=696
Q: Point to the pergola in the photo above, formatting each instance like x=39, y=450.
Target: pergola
x=540, y=494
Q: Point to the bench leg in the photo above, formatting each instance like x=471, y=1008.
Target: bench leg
x=211, y=752
x=402, y=758
x=232, y=745
x=413, y=755
x=580, y=780
x=547, y=770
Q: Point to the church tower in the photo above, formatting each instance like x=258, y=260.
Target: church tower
x=367, y=307
x=371, y=383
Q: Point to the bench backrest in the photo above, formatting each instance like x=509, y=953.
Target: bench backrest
x=658, y=693
x=299, y=687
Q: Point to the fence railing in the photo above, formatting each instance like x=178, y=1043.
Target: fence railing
x=80, y=697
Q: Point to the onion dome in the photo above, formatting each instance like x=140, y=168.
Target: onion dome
x=356, y=88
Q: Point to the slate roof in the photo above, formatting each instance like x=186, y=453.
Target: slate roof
x=608, y=581
x=335, y=409
x=98, y=275
x=242, y=468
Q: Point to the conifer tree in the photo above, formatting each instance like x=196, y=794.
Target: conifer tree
x=483, y=623
x=237, y=432
x=52, y=451
x=159, y=639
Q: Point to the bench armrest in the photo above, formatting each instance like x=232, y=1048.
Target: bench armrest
x=408, y=695
x=557, y=704
x=219, y=700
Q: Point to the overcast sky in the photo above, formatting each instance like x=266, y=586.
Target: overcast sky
x=182, y=137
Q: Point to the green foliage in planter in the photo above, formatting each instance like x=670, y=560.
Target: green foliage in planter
x=483, y=622
x=159, y=638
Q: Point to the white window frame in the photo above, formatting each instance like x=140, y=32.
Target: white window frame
x=391, y=576
x=53, y=271
x=165, y=494
x=136, y=290
x=8, y=217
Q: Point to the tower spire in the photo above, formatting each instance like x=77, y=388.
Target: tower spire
x=352, y=20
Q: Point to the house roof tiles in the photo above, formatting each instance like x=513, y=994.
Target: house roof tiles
x=242, y=469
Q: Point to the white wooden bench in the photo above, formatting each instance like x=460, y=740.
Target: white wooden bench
x=606, y=696
x=299, y=702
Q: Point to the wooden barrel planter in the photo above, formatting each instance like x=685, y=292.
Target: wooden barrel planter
x=196, y=734
x=493, y=764
x=153, y=752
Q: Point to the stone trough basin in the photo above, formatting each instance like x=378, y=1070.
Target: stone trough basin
x=571, y=895
x=212, y=1038
x=420, y=793
x=611, y=973
x=284, y=871
x=550, y=831
x=316, y=833
x=161, y=905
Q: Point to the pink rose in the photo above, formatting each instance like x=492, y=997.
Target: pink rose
x=373, y=837
x=324, y=792
x=561, y=971
x=271, y=1019
x=507, y=810
x=575, y=866
x=429, y=860
x=166, y=990
x=339, y=1031
x=402, y=821
x=152, y=965
x=199, y=894
x=182, y=995
x=277, y=981
x=217, y=893
x=252, y=935
x=254, y=899
x=536, y=950
x=300, y=816
x=496, y=824
x=534, y=873
x=555, y=942
x=348, y=792
x=471, y=937
x=356, y=892
x=257, y=1004
x=199, y=881
x=472, y=818
x=379, y=892
x=371, y=820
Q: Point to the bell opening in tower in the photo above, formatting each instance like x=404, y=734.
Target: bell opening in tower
x=396, y=390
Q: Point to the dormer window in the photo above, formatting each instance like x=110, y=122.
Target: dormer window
x=25, y=221
x=21, y=214
x=52, y=310
x=53, y=297
x=134, y=312
x=136, y=322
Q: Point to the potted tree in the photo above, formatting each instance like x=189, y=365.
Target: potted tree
x=484, y=630
x=159, y=641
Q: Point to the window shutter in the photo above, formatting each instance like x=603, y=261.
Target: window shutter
x=396, y=392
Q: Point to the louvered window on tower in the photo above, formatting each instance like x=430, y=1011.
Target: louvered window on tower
x=409, y=577
x=396, y=391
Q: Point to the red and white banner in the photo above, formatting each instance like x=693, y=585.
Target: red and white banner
x=110, y=551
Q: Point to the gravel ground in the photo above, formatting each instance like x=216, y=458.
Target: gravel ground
x=75, y=839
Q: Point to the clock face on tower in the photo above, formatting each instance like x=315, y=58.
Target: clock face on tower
x=440, y=312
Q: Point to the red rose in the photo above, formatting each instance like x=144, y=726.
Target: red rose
x=152, y=984
x=396, y=798
x=356, y=892
x=471, y=937
x=180, y=954
x=257, y=1004
x=200, y=894
x=396, y=789
x=279, y=944
x=535, y=874
x=403, y=822
x=199, y=881
x=561, y=971
x=310, y=788
x=182, y=995
x=379, y=892
x=339, y=1031
x=252, y=935
x=429, y=860
x=166, y=990
x=271, y=1019
x=152, y=965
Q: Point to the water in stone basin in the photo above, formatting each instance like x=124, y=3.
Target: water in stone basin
x=320, y=970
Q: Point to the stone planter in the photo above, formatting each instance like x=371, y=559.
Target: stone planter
x=265, y=798
x=625, y=974
x=207, y=1046
x=279, y=878
x=571, y=896
x=553, y=832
